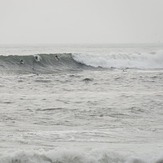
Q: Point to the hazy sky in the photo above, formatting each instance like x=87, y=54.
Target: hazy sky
x=81, y=21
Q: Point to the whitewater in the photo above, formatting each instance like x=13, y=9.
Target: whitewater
x=81, y=104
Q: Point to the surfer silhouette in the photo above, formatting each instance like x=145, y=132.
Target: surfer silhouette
x=21, y=61
x=57, y=58
x=37, y=59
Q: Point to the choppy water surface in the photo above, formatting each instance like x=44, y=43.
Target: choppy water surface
x=77, y=109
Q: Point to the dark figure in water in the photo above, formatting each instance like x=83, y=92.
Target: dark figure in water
x=21, y=61
x=36, y=60
x=57, y=58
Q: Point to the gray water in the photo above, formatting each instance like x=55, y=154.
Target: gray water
x=92, y=114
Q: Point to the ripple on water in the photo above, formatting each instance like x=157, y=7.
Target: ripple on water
x=50, y=109
x=88, y=79
x=20, y=81
x=6, y=102
x=42, y=81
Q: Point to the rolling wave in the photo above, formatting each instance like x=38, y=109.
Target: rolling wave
x=65, y=156
x=49, y=63
x=39, y=63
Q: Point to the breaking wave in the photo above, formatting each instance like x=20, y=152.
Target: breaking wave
x=39, y=63
x=66, y=156
x=123, y=60
x=49, y=63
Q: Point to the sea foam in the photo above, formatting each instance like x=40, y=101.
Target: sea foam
x=123, y=60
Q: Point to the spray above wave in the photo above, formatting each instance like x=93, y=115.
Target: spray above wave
x=123, y=60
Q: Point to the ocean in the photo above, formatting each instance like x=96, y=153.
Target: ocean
x=81, y=104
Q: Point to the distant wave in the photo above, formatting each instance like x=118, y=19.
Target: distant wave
x=70, y=156
x=49, y=63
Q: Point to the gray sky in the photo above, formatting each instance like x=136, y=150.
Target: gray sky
x=81, y=21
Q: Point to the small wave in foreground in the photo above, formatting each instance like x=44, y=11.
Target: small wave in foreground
x=76, y=157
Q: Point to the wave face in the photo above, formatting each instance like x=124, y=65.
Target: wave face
x=49, y=63
x=123, y=60
x=65, y=156
x=40, y=63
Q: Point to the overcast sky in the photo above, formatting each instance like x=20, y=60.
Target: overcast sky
x=81, y=21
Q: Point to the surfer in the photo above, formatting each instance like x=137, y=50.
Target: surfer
x=37, y=59
x=57, y=58
x=21, y=61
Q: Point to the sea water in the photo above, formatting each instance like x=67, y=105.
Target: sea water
x=81, y=104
